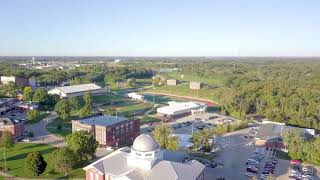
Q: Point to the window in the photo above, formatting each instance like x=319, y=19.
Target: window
x=149, y=154
x=138, y=154
x=97, y=176
x=91, y=176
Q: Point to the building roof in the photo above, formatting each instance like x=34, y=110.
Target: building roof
x=8, y=121
x=170, y=167
x=175, y=108
x=176, y=171
x=5, y=100
x=104, y=120
x=145, y=143
x=79, y=88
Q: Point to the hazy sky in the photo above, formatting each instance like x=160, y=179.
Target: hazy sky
x=160, y=27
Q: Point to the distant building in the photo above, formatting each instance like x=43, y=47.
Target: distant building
x=181, y=109
x=18, y=80
x=15, y=127
x=172, y=82
x=195, y=85
x=77, y=90
x=109, y=130
x=145, y=160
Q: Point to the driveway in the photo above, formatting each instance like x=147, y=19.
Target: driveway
x=41, y=135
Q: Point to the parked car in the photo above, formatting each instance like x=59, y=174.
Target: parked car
x=26, y=140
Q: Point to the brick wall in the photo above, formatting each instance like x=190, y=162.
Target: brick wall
x=93, y=174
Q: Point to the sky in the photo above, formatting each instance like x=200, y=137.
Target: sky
x=159, y=28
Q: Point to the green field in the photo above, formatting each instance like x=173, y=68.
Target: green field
x=16, y=160
x=148, y=119
x=184, y=90
x=194, y=77
x=104, y=98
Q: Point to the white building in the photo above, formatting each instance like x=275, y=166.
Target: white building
x=135, y=96
x=77, y=90
x=180, y=109
x=145, y=160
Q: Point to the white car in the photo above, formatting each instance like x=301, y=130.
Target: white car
x=25, y=140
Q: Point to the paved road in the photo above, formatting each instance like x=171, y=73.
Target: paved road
x=41, y=135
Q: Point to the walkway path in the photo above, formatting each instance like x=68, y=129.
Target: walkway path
x=41, y=135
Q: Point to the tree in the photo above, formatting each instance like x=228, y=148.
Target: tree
x=6, y=143
x=33, y=115
x=62, y=160
x=63, y=109
x=173, y=143
x=87, y=97
x=27, y=93
x=85, y=111
x=74, y=103
x=35, y=164
x=83, y=145
x=164, y=138
x=40, y=95
x=10, y=89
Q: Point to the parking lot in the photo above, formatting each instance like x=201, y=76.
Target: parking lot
x=191, y=123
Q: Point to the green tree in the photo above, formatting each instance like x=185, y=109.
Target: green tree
x=163, y=135
x=33, y=115
x=62, y=160
x=40, y=95
x=63, y=109
x=27, y=93
x=85, y=111
x=83, y=145
x=6, y=143
x=74, y=103
x=87, y=97
x=10, y=89
x=35, y=164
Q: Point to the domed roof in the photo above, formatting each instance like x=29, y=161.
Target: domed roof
x=145, y=143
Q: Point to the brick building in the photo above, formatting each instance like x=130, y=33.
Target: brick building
x=109, y=130
x=15, y=127
x=195, y=85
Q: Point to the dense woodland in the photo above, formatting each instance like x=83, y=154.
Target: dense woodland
x=284, y=91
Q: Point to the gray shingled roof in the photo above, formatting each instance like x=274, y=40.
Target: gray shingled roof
x=104, y=120
x=79, y=88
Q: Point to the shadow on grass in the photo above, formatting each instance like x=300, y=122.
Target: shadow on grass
x=24, y=155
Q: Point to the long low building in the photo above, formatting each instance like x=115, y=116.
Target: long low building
x=77, y=90
x=181, y=109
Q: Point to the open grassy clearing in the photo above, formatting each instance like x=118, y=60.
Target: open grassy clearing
x=16, y=160
x=194, y=77
x=184, y=90
x=104, y=98
x=149, y=119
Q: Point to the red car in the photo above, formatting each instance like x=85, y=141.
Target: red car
x=295, y=162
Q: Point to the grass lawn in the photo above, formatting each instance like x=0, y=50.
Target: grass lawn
x=104, y=98
x=148, y=119
x=16, y=160
x=133, y=107
x=184, y=90
x=60, y=127
x=42, y=116
x=195, y=77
